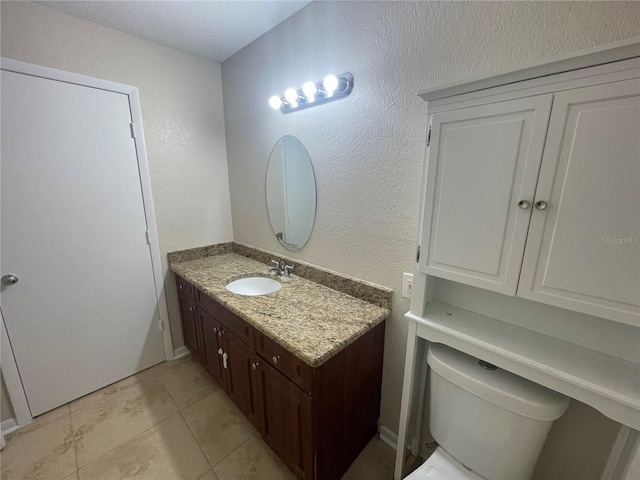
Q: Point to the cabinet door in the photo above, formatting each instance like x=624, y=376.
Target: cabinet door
x=190, y=330
x=482, y=161
x=212, y=347
x=241, y=375
x=583, y=250
x=286, y=420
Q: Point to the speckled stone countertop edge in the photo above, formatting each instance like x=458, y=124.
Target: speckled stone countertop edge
x=367, y=291
x=180, y=256
x=313, y=348
x=313, y=362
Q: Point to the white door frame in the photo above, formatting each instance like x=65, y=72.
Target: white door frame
x=13, y=384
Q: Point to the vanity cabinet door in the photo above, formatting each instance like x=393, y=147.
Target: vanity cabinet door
x=286, y=420
x=583, y=249
x=212, y=353
x=241, y=371
x=482, y=162
x=190, y=325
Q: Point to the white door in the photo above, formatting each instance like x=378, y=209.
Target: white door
x=83, y=313
x=583, y=250
x=482, y=162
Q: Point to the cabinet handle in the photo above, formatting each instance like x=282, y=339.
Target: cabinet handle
x=275, y=358
x=254, y=366
x=180, y=287
x=225, y=360
x=524, y=204
x=215, y=329
x=191, y=309
x=541, y=205
x=220, y=352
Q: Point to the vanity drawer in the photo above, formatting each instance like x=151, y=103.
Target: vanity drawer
x=228, y=319
x=286, y=362
x=185, y=287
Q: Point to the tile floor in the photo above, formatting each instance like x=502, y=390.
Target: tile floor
x=171, y=421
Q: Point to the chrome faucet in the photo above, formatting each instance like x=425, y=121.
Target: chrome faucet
x=281, y=269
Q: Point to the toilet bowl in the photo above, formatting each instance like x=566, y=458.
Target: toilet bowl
x=489, y=423
x=442, y=466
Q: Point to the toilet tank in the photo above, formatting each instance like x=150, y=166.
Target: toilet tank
x=492, y=421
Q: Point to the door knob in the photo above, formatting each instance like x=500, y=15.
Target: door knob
x=10, y=279
x=541, y=205
x=524, y=204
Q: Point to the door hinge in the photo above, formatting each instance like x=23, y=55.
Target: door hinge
x=428, y=136
x=133, y=130
x=418, y=254
x=146, y=234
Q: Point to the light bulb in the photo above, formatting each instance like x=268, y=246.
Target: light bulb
x=309, y=89
x=275, y=102
x=291, y=95
x=330, y=83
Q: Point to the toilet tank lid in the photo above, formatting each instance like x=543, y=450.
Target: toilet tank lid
x=499, y=387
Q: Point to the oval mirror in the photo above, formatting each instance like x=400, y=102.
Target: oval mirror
x=291, y=193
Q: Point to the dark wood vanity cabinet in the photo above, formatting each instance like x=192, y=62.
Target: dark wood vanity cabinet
x=286, y=420
x=212, y=357
x=317, y=420
x=191, y=329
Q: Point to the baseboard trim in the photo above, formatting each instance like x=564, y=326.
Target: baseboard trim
x=388, y=437
x=180, y=352
x=9, y=426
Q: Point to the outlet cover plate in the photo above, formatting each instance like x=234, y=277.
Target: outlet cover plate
x=407, y=284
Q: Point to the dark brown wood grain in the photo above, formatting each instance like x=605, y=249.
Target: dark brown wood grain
x=286, y=362
x=230, y=320
x=286, y=420
x=211, y=343
x=317, y=420
x=241, y=377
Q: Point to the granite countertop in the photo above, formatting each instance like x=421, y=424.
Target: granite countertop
x=310, y=320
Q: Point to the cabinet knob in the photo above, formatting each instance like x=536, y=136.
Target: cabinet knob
x=220, y=352
x=254, y=366
x=524, y=204
x=180, y=287
x=541, y=205
x=220, y=332
x=191, y=309
x=275, y=358
x=215, y=329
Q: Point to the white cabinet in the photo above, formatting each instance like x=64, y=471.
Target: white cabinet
x=583, y=251
x=539, y=196
x=482, y=161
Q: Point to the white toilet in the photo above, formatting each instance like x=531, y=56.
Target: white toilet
x=489, y=423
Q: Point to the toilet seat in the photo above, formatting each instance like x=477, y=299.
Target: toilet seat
x=442, y=466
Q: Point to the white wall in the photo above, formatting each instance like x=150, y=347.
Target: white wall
x=367, y=150
x=181, y=99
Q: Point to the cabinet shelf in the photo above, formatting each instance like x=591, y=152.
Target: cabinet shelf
x=609, y=384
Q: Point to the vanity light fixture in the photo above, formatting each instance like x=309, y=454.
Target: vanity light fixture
x=331, y=88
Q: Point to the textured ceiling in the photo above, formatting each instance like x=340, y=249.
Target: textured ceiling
x=210, y=29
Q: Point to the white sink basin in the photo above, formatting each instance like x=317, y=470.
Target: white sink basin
x=253, y=286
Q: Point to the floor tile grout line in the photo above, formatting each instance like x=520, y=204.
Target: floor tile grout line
x=73, y=440
x=236, y=449
x=200, y=446
x=136, y=435
x=127, y=441
x=197, y=442
x=107, y=386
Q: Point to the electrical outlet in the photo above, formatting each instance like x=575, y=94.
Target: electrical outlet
x=407, y=284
